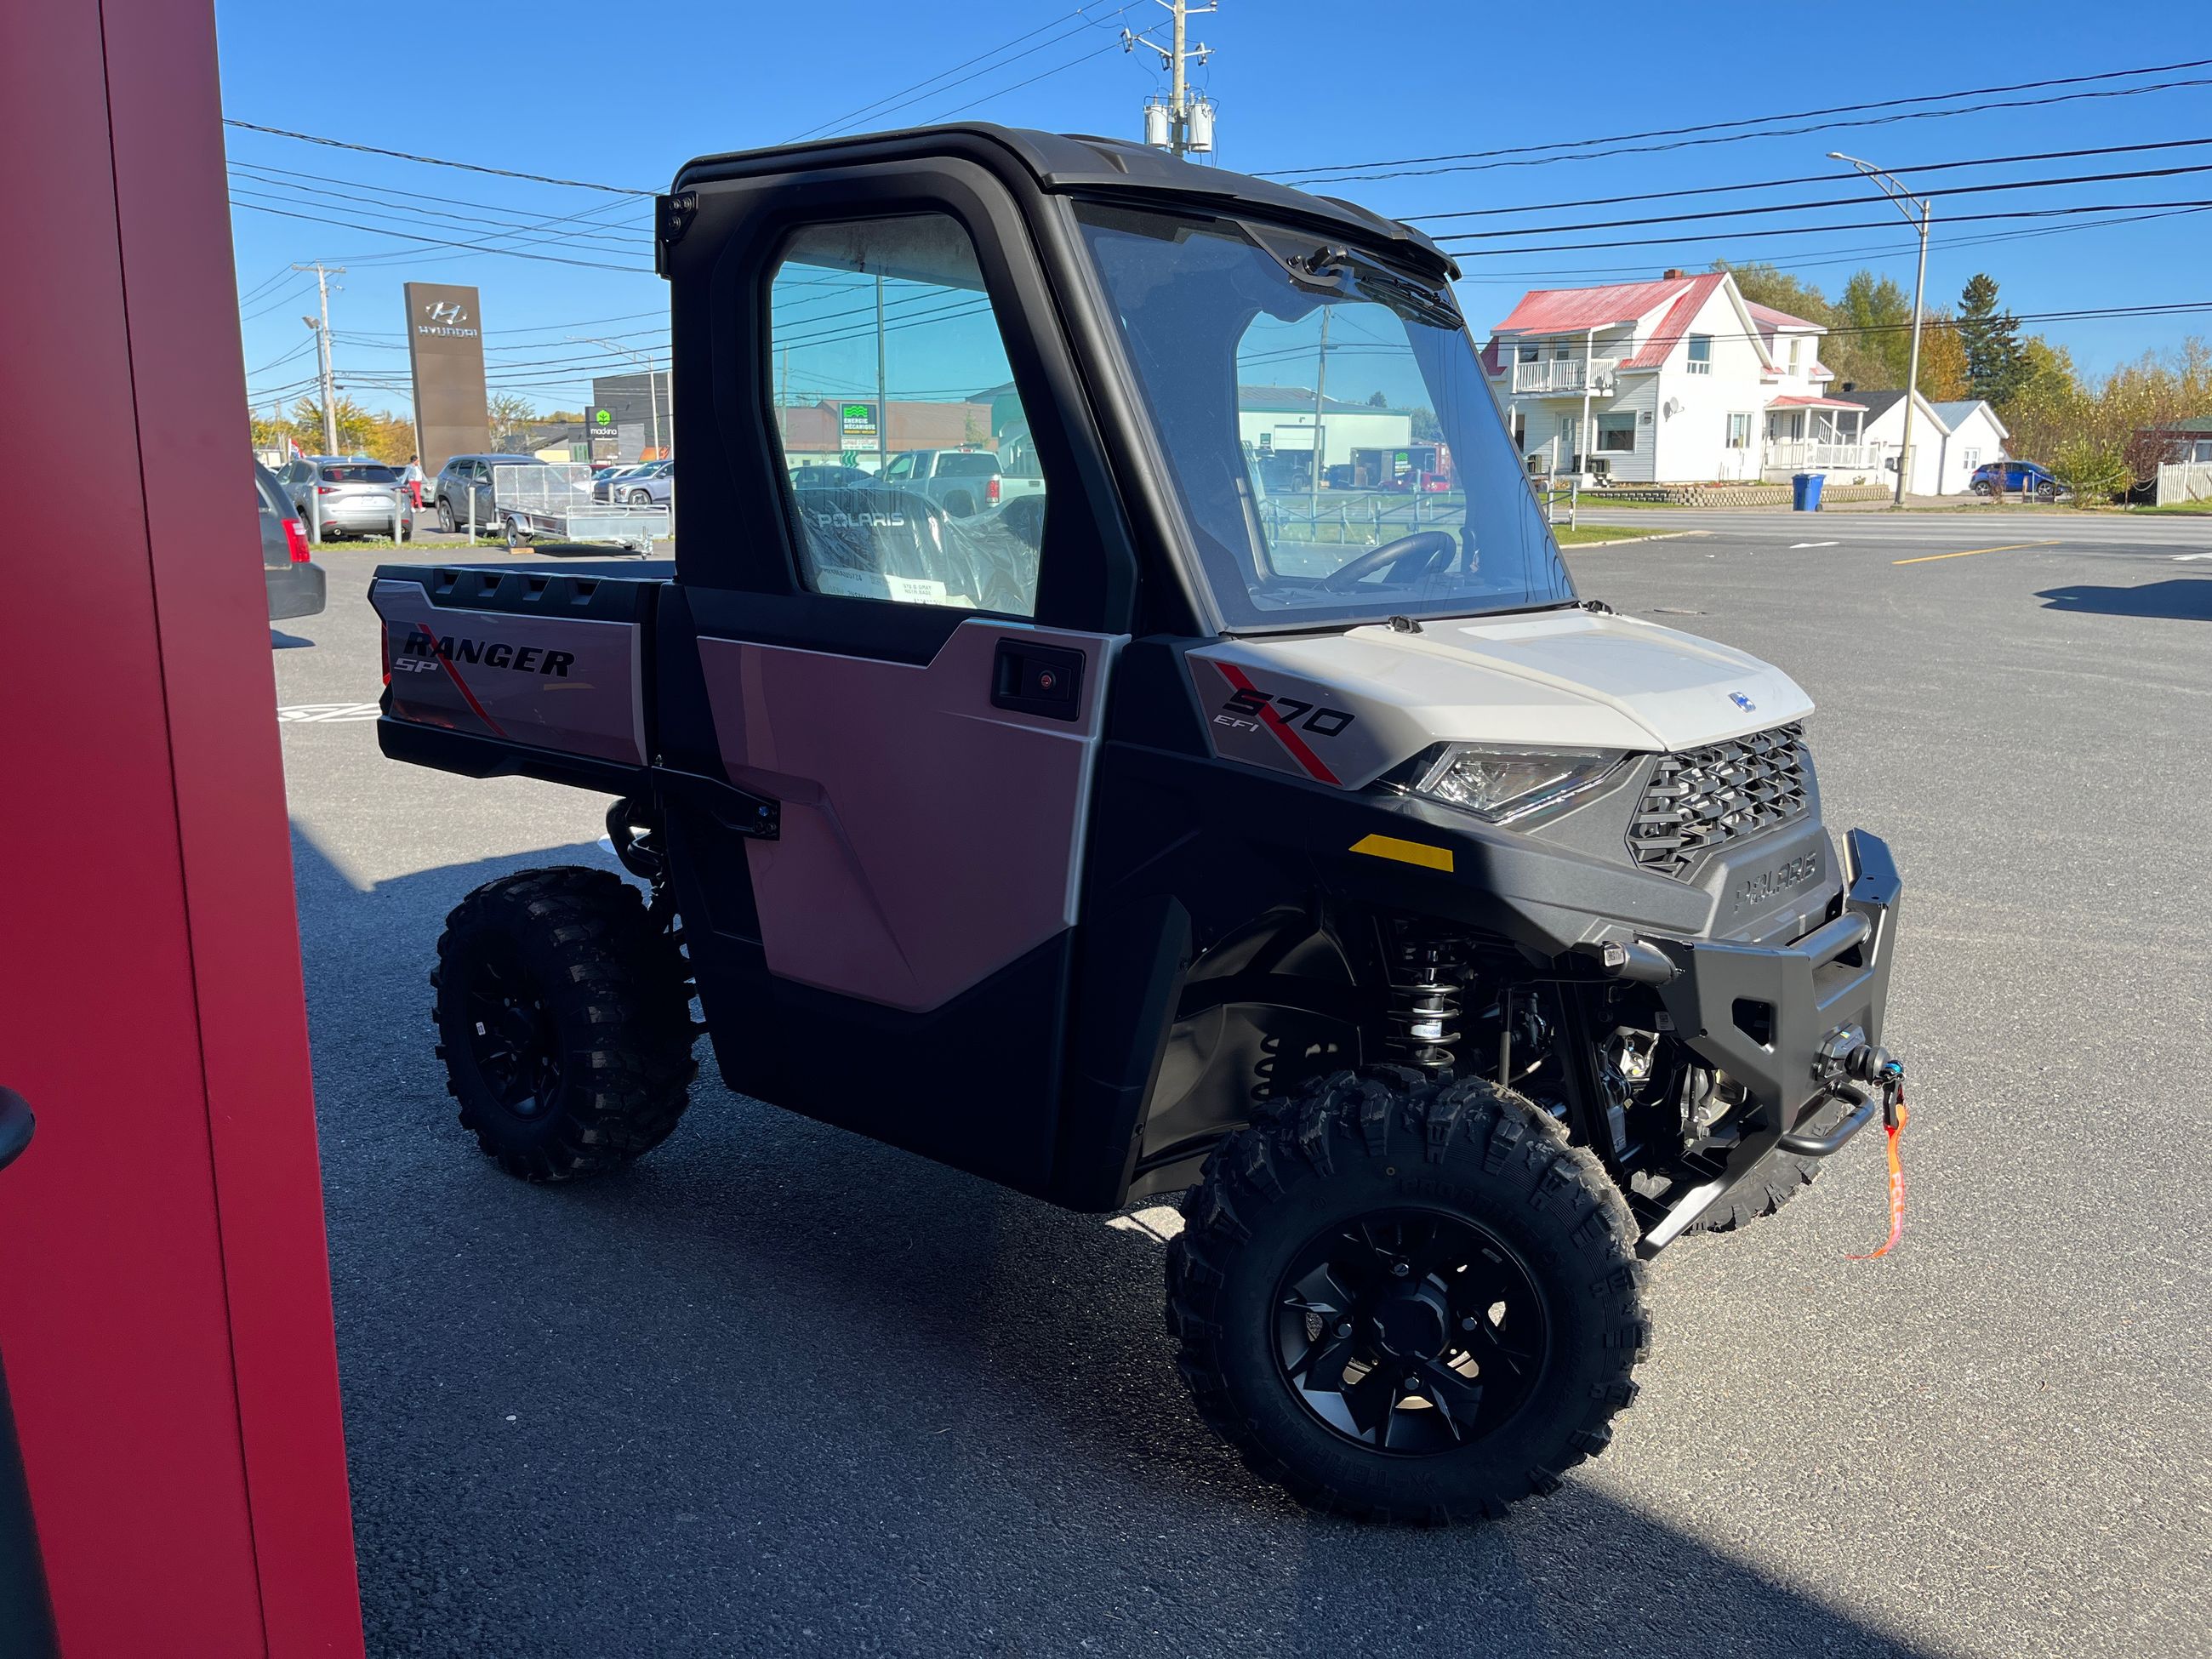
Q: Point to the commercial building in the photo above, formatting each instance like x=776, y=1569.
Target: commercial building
x=632, y=416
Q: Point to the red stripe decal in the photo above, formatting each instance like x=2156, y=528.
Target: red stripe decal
x=459, y=684
x=1290, y=741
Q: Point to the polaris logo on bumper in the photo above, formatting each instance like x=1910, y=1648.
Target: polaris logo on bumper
x=1753, y=891
x=493, y=653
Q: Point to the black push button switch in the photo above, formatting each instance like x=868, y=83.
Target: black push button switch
x=1037, y=679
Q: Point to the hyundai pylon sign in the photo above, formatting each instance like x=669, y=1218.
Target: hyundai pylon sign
x=445, y=352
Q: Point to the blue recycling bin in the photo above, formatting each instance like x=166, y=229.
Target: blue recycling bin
x=1805, y=491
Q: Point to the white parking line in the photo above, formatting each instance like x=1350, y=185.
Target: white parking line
x=321, y=713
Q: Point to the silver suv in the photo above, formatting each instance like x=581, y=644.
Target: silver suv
x=345, y=495
x=462, y=494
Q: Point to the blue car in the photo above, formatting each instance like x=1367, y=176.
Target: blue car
x=2016, y=478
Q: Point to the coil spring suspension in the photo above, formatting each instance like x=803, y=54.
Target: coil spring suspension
x=1425, y=1003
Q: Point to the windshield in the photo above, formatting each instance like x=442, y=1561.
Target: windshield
x=357, y=474
x=1326, y=420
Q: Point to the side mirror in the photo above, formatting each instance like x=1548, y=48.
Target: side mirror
x=16, y=1124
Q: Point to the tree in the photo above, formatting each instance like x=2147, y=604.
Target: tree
x=2093, y=470
x=1376, y=400
x=509, y=412
x=1943, y=373
x=358, y=429
x=1870, y=342
x=1766, y=285
x=1996, y=362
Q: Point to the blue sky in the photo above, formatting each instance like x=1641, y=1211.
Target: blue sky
x=623, y=95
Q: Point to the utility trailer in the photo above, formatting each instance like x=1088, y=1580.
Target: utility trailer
x=1448, y=942
x=551, y=501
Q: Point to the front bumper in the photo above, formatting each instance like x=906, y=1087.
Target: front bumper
x=1777, y=1018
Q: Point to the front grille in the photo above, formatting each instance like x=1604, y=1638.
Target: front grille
x=1724, y=791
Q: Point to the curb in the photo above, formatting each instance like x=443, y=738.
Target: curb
x=1626, y=541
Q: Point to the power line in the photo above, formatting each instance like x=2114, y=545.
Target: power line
x=441, y=242
x=1807, y=179
x=1569, y=153
x=1847, y=256
x=1823, y=230
x=1747, y=121
x=489, y=216
x=1042, y=75
x=1855, y=200
x=432, y=161
x=929, y=87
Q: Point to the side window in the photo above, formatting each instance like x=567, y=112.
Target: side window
x=882, y=328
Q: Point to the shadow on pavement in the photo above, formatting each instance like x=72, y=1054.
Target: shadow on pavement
x=280, y=640
x=779, y=1389
x=2178, y=598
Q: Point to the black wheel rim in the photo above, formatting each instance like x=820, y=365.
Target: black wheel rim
x=512, y=1039
x=1410, y=1332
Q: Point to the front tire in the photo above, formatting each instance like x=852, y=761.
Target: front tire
x=564, y=1018
x=1405, y=1302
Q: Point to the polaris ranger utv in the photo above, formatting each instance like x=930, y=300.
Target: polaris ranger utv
x=1449, y=940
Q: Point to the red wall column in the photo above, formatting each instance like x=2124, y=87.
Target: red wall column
x=165, y=1302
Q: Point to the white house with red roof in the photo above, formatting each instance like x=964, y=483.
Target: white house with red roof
x=1680, y=380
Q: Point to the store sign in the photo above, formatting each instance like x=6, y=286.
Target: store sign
x=859, y=420
x=445, y=354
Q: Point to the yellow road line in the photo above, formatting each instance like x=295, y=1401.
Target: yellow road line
x=2009, y=547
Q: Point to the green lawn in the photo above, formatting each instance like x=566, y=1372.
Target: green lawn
x=1584, y=534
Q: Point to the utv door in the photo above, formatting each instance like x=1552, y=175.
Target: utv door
x=923, y=697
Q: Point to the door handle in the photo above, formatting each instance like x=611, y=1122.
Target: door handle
x=1036, y=680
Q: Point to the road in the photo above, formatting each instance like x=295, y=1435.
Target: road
x=779, y=1390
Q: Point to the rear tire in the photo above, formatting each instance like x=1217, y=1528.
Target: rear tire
x=447, y=522
x=1472, y=1323
x=564, y=1019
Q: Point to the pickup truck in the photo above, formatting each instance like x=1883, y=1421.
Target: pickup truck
x=1448, y=942
x=963, y=482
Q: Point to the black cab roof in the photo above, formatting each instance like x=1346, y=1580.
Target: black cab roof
x=1082, y=164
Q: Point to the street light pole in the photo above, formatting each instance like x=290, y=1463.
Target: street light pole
x=1905, y=203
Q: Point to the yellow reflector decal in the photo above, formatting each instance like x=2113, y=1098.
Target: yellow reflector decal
x=1406, y=852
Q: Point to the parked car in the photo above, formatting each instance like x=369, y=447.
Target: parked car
x=651, y=486
x=608, y=486
x=962, y=481
x=2016, y=478
x=297, y=586
x=827, y=476
x=345, y=495
x=467, y=478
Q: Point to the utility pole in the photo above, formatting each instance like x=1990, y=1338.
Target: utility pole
x=882, y=402
x=1320, y=445
x=1184, y=124
x=323, y=275
x=1905, y=204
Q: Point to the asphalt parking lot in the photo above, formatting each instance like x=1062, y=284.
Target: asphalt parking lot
x=778, y=1389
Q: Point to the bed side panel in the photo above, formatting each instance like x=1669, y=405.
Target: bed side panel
x=566, y=683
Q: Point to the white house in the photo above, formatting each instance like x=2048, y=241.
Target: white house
x=1949, y=439
x=1677, y=380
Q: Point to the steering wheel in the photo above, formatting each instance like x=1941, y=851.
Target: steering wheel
x=1426, y=545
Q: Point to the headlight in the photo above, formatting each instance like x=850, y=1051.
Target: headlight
x=1500, y=782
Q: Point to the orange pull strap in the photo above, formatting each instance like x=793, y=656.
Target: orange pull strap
x=1895, y=1128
